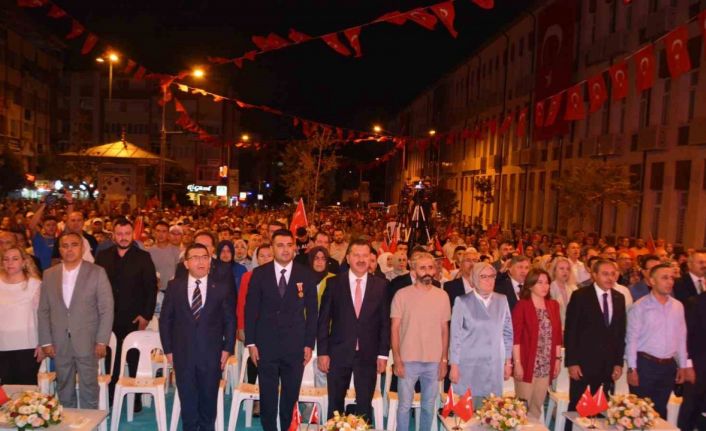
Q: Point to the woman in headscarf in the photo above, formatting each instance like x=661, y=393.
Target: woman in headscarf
x=317, y=258
x=241, y=254
x=384, y=261
x=226, y=252
x=399, y=265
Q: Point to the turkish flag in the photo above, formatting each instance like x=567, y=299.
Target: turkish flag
x=507, y=122
x=56, y=12
x=77, y=30
x=448, y=406
x=645, y=67
x=597, y=92
x=395, y=17
x=446, y=263
x=425, y=19
x=296, y=418
x=140, y=74
x=446, y=13
x=464, y=406
x=129, y=67
x=675, y=48
x=89, y=43
x=485, y=4
x=332, y=40
x=272, y=41
x=619, y=78
x=650, y=244
x=299, y=217
x=600, y=400
x=353, y=35
x=575, y=109
x=586, y=405
x=521, y=130
x=314, y=416
x=138, y=228
x=539, y=114
x=553, y=109
x=297, y=36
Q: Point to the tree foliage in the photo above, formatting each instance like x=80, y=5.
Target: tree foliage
x=587, y=185
x=307, y=167
x=11, y=172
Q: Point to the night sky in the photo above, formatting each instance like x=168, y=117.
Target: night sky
x=310, y=80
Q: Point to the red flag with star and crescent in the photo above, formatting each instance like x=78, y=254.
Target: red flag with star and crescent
x=619, y=80
x=600, y=400
x=587, y=405
x=448, y=406
x=575, y=109
x=296, y=418
x=446, y=14
x=3, y=396
x=597, y=92
x=314, y=416
x=553, y=109
x=299, y=218
x=539, y=113
x=464, y=406
x=645, y=67
x=677, y=54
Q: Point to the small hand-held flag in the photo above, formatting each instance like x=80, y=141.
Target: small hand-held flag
x=296, y=418
x=299, y=218
x=3, y=396
x=314, y=417
x=464, y=406
x=138, y=228
x=587, y=405
x=600, y=400
x=449, y=404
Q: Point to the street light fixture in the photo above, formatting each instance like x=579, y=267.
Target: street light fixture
x=111, y=58
x=432, y=132
x=377, y=128
x=245, y=137
x=198, y=73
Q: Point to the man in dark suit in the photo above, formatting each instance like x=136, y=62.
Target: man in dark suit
x=594, y=334
x=354, y=331
x=694, y=401
x=693, y=281
x=462, y=284
x=280, y=328
x=511, y=283
x=133, y=278
x=197, y=329
x=223, y=273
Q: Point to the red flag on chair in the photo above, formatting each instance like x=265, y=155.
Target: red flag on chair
x=597, y=93
x=645, y=67
x=314, y=417
x=296, y=418
x=586, y=405
x=449, y=404
x=600, y=400
x=446, y=13
x=619, y=79
x=299, y=217
x=464, y=406
x=675, y=48
x=575, y=110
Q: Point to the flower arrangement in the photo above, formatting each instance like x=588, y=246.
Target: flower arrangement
x=29, y=409
x=630, y=412
x=348, y=423
x=502, y=413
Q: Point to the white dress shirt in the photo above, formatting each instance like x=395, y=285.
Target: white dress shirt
x=599, y=293
x=68, y=283
x=191, y=287
x=351, y=282
x=515, y=287
x=484, y=301
x=696, y=280
x=279, y=268
x=467, y=285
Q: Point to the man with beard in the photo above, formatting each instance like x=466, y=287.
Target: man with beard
x=506, y=250
x=133, y=278
x=420, y=316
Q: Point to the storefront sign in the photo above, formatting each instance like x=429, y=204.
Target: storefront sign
x=195, y=188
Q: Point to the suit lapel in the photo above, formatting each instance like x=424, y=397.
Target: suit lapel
x=183, y=296
x=367, y=297
x=80, y=282
x=59, y=286
x=345, y=285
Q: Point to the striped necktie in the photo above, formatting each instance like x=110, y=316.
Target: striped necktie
x=196, y=301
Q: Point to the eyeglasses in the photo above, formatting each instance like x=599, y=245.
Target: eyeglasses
x=199, y=257
x=487, y=276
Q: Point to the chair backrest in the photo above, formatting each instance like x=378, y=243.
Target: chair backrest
x=621, y=385
x=244, y=366
x=509, y=387
x=145, y=342
x=45, y=366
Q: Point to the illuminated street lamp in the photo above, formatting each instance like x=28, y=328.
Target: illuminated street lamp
x=245, y=137
x=377, y=128
x=432, y=132
x=111, y=58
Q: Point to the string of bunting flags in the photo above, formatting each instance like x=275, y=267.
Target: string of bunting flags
x=426, y=17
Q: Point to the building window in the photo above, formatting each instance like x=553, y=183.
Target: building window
x=657, y=176
x=644, y=119
x=623, y=109
x=656, y=213
x=605, y=119
x=665, y=101
x=682, y=175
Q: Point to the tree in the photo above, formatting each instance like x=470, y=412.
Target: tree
x=307, y=164
x=589, y=185
x=11, y=172
x=484, y=195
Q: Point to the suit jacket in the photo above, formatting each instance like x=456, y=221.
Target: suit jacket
x=454, y=289
x=88, y=319
x=503, y=284
x=525, y=329
x=221, y=273
x=339, y=328
x=192, y=340
x=134, y=281
x=400, y=282
x=281, y=325
x=587, y=340
x=696, y=335
x=684, y=288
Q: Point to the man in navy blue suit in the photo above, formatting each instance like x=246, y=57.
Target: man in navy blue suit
x=280, y=328
x=197, y=328
x=354, y=331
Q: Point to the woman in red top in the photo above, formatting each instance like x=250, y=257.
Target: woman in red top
x=536, y=352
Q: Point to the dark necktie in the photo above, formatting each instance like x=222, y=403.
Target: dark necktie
x=196, y=301
x=606, y=314
x=282, y=285
x=519, y=288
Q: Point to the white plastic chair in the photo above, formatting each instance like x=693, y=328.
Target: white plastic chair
x=104, y=380
x=230, y=373
x=46, y=380
x=393, y=403
x=144, y=382
x=243, y=392
x=176, y=408
x=673, y=407
x=309, y=393
x=559, y=398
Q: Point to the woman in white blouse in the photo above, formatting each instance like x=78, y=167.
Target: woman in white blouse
x=563, y=284
x=19, y=298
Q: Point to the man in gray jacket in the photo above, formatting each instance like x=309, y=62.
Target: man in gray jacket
x=75, y=319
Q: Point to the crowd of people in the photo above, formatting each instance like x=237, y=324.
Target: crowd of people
x=473, y=308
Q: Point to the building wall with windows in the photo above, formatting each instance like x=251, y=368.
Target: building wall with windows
x=658, y=135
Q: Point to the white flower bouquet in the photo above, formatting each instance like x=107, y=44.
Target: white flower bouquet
x=502, y=413
x=630, y=412
x=345, y=423
x=29, y=409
